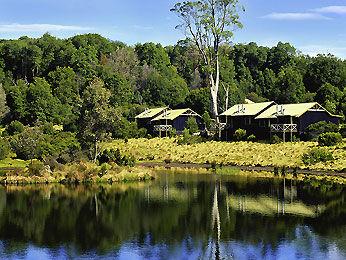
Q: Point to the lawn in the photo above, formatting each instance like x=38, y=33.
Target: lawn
x=235, y=153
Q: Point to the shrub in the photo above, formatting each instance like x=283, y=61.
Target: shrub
x=239, y=135
x=187, y=138
x=275, y=139
x=251, y=138
x=191, y=125
x=317, y=155
x=115, y=156
x=206, y=119
x=32, y=143
x=329, y=139
x=4, y=149
x=15, y=127
x=35, y=168
x=314, y=130
x=47, y=128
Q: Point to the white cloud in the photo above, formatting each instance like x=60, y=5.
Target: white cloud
x=296, y=16
x=313, y=50
x=334, y=9
x=15, y=27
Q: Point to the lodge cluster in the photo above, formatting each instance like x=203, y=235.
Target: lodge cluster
x=260, y=119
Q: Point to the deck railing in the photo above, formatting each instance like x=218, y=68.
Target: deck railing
x=284, y=128
x=163, y=128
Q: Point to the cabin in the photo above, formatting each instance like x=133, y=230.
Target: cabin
x=175, y=119
x=242, y=116
x=144, y=119
x=293, y=119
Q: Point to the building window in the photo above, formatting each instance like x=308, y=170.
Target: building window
x=247, y=120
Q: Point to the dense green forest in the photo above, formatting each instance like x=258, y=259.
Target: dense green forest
x=48, y=79
x=94, y=87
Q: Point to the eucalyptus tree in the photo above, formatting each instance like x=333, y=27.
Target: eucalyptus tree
x=209, y=23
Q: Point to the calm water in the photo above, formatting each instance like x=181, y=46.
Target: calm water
x=175, y=217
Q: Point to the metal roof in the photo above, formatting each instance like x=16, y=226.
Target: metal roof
x=247, y=109
x=173, y=114
x=149, y=113
x=294, y=110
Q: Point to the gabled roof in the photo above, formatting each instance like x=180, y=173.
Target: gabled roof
x=294, y=110
x=247, y=109
x=150, y=113
x=173, y=114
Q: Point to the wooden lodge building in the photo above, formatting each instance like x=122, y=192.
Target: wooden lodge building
x=242, y=116
x=268, y=118
x=144, y=120
x=260, y=119
x=160, y=121
x=294, y=118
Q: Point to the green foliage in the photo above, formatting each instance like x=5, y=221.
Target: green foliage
x=251, y=138
x=187, y=138
x=239, y=135
x=35, y=168
x=329, y=139
x=314, y=130
x=108, y=156
x=275, y=139
x=317, y=155
x=206, y=119
x=4, y=149
x=15, y=127
x=33, y=143
x=191, y=125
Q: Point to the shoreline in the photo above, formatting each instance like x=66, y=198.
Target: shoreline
x=291, y=170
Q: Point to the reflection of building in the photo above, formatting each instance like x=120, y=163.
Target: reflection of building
x=268, y=118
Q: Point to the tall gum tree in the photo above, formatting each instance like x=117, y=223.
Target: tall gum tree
x=209, y=24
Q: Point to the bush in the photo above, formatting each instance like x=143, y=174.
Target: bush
x=317, y=155
x=275, y=140
x=115, y=156
x=15, y=127
x=32, y=143
x=191, y=125
x=239, y=135
x=187, y=138
x=35, y=168
x=207, y=120
x=251, y=138
x=4, y=149
x=314, y=130
x=329, y=139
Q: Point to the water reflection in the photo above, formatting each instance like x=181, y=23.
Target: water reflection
x=175, y=217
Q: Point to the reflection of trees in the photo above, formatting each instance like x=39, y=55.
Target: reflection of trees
x=168, y=211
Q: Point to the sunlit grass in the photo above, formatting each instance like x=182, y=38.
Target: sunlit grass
x=228, y=153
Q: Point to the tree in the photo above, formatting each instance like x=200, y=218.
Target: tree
x=290, y=84
x=3, y=105
x=66, y=87
x=98, y=118
x=209, y=23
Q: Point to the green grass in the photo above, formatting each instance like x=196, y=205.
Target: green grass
x=228, y=153
x=15, y=163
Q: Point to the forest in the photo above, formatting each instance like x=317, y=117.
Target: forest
x=93, y=87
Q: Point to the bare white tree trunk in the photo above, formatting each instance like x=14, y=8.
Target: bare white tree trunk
x=214, y=90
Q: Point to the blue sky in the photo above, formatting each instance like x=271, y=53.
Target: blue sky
x=313, y=26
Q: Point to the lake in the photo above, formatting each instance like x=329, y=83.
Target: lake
x=176, y=216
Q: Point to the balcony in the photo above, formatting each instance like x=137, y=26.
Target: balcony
x=279, y=128
x=163, y=128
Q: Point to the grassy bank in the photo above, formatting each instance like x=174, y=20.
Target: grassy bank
x=235, y=153
x=81, y=172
